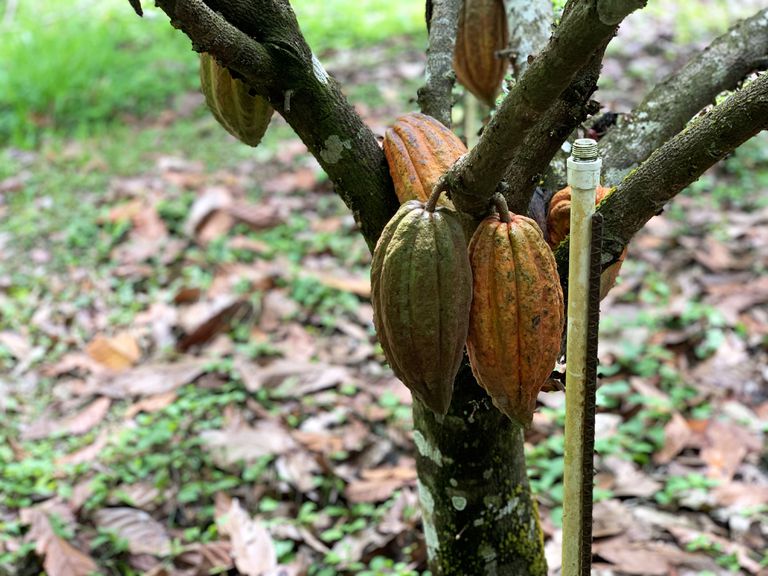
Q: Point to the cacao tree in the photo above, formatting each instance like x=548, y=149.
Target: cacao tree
x=478, y=513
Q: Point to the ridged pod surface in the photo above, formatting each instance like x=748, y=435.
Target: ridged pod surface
x=517, y=315
x=481, y=33
x=559, y=226
x=421, y=289
x=243, y=115
x=419, y=149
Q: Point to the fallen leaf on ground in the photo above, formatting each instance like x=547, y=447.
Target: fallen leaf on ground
x=143, y=534
x=379, y=484
x=117, y=353
x=676, y=437
x=725, y=447
x=89, y=453
x=252, y=546
x=246, y=444
x=219, y=317
x=359, y=285
x=297, y=379
x=151, y=404
x=647, y=558
x=151, y=379
x=60, y=557
x=686, y=536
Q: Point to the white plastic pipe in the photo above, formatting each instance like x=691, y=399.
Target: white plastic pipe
x=583, y=178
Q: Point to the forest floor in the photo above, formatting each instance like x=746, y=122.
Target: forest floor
x=190, y=381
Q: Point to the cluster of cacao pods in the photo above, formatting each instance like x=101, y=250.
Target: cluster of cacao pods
x=432, y=296
x=244, y=115
x=481, y=34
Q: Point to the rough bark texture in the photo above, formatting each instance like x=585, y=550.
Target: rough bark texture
x=530, y=26
x=675, y=100
x=581, y=33
x=435, y=97
x=478, y=512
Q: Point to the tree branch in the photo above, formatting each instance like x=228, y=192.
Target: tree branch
x=583, y=30
x=674, y=101
x=435, y=97
x=644, y=192
x=261, y=42
x=544, y=141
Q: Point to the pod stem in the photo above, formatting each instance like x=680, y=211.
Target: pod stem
x=438, y=189
x=500, y=203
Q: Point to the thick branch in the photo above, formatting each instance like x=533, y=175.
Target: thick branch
x=674, y=101
x=542, y=142
x=261, y=42
x=435, y=97
x=644, y=192
x=473, y=179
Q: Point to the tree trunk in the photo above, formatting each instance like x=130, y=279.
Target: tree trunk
x=478, y=512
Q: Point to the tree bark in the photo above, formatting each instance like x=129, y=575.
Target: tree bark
x=478, y=511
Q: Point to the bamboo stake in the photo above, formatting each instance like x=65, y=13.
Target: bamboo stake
x=583, y=177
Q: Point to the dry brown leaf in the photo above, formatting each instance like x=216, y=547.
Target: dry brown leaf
x=287, y=182
x=647, y=558
x=296, y=379
x=143, y=534
x=60, y=557
x=252, y=546
x=257, y=216
x=677, y=434
x=725, y=447
x=15, y=343
x=298, y=469
x=359, y=285
x=208, y=557
x=236, y=444
x=87, y=418
x=63, y=559
x=214, y=200
x=151, y=404
x=740, y=494
x=219, y=318
x=379, y=484
x=117, y=353
x=686, y=536
x=152, y=379
x=628, y=480
x=87, y=454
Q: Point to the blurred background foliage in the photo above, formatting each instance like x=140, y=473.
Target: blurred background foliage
x=77, y=66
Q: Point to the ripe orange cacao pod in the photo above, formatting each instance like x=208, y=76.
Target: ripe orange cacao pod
x=419, y=149
x=517, y=315
x=559, y=226
x=481, y=33
x=421, y=288
x=244, y=115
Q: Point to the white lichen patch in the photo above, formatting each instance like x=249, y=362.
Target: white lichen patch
x=428, y=519
x=334, y=149
x=453, y=482
x=487, y=474
x=426, y=449
x=319, y=71
x=508, y=509
x=459, y=502
x=489, y=557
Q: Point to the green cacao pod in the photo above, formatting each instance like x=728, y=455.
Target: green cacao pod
x=243, y=115
x=419, y=149
x=517, y=315
x=421, y=289
x=481, y=33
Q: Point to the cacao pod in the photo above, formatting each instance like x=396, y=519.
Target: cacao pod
x=419, y=149
x=243, y=115
x=559, y=226
x=517, y=314
x=482, y=31
x=421, y=289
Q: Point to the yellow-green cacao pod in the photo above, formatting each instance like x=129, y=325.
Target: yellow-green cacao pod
x=421, y=289
x=243, y=115
x=517, y=316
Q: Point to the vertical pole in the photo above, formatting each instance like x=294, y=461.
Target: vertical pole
x=583, y=178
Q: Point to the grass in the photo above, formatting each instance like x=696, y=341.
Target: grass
x=81, y=67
